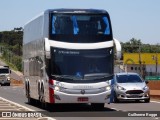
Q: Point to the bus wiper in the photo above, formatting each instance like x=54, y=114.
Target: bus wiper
x=65, y=77
x=107, y=76
x=103, y=77
x=97, y=76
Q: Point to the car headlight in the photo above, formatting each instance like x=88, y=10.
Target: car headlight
x=120, y=88
x=8, y=78
x=145, y=88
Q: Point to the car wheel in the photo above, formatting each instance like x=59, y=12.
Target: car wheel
x=137, y=101
x=115, y=99
x=147, y=100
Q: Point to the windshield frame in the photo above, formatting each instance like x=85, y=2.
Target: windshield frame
x=80, y=38
x=85, y=75
x=70, y=80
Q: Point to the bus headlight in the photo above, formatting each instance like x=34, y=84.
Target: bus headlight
x=108, y=88
x=57, y=88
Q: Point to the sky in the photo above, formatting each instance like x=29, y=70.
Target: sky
x=139, y=19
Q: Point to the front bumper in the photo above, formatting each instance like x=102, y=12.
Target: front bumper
x=141, y=96
x=2, y=82
x=61, y=97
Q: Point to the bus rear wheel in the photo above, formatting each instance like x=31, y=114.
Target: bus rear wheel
x=30, y=100
x=43, y=103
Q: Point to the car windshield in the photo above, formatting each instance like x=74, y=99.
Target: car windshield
x=4, y=71
x=80, y=28
x=128, y=79
x=82, y=64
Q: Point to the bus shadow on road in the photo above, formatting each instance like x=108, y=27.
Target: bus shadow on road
x=73, y=110
x=70, y=107
x=77, y=110
x=77, y=107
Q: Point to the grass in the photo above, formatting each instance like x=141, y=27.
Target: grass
x=9, y=64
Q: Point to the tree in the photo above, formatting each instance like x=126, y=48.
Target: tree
x=132, y=46
x=11, y=39
x=135, y=46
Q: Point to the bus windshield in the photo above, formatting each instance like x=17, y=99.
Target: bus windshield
x=84, y=64
x=80, y=28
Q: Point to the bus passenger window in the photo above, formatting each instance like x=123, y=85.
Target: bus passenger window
x=107, y=30
x=62, y=25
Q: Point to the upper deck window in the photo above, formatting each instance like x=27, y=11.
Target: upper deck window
x=81, y=24
x=69, y=28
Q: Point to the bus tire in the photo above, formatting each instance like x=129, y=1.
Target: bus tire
x=43, y=103
x=28, y=93
x=26, y=89
x=29, y=99
x=39, y=90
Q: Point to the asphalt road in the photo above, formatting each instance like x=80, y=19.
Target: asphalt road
x=119, y=111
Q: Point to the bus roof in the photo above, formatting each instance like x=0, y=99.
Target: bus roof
x=66, y=10
x=85, y=11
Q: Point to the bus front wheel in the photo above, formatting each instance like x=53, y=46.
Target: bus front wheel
x=98, y=106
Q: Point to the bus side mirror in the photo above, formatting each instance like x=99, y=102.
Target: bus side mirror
x=10, y=71
x=47, y=48
x=118, y=48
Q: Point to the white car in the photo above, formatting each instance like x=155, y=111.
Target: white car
x=5, y=75
x=129, y=86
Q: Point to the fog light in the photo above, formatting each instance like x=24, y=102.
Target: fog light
x=146, y=95
x=107, y=97
x=122, y=96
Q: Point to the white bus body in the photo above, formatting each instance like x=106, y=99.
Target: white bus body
x=56, y=64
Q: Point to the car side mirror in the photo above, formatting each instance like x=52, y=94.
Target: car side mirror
x=146, y=82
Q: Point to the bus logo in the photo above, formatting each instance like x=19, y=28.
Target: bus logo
x=82, y=91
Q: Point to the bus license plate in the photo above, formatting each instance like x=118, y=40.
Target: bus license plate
x=82, y=99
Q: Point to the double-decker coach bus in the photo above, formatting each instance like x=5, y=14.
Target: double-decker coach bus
x=68, y=57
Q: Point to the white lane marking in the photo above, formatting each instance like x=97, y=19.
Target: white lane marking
x=16, y=104
x=119, y=109
x=155, y=102
x=26, y=108
x=156, y=118
x=48, y=118
x=11, y=119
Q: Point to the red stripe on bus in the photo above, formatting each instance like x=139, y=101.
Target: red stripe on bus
x=51, y=91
